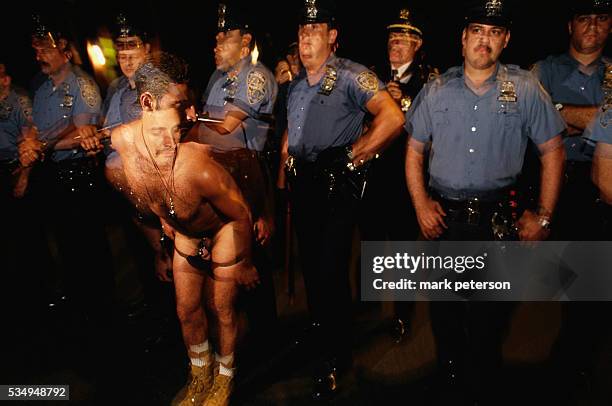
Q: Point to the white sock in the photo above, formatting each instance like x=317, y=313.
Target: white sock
x=199, y=349
x=227, y=360
x=223, y=370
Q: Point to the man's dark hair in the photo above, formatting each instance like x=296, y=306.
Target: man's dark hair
x=160, y=71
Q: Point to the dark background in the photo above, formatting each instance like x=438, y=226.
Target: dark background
x=188, y=28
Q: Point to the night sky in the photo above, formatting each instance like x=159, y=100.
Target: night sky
x=188, y=28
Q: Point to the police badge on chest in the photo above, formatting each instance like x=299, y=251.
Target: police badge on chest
x=507, y=97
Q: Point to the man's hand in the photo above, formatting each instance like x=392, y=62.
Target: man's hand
x=30, y=151
x=263, y=230
x=90, y=139
x=282, y=72
x=431, y=219
x=394, y=90
x=163, y=267
x=530, y=229
x=248, y=277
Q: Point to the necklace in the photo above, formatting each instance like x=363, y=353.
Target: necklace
x=167, y=187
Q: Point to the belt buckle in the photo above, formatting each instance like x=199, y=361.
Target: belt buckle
x=473, y=211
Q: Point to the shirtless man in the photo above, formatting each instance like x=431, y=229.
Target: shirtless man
x=199, y=205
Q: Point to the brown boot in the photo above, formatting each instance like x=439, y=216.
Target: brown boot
x=199, y=386
x=221, y=391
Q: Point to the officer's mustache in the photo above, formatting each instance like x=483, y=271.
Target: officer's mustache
x=485, y=47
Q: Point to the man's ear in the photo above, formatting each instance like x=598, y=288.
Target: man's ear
x=147, y=101
x=333, y=36
x=246, y=40
x=418, y=44
x=6, y=81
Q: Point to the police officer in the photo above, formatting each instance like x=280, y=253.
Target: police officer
x=600, y=132
x=478, y=118
x=66, y=108
x=241, y=94
x=327, y=104
x=121, y=103
x=15, y=124
x=575, y=83
x=387, y=213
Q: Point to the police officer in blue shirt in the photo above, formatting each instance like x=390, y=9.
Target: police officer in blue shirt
x=15, y=124
x=575, y=82
x=327, y=104
x=240, y=96
x=121, y=104
x=65, y=109
x=600, y=132
x=476, y=120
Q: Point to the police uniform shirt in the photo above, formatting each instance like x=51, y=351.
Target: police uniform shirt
x=567, y=84
x=478, y=142
x=76, y=100
x=15, y=114
x=253, y=91
x=317, y=119
x=121, y=105
x=600, y=130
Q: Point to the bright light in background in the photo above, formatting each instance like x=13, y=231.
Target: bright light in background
x=96, y=56
x=254, y=55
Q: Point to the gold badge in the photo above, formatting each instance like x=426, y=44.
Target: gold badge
x=329, y=81
x=507, y=92
x=256, y=87
x=368, y=81
x=88, y=91
x=26, y=106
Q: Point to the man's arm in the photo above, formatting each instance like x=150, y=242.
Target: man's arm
x=429, y=212
x=386, y=126
x=233, y=120
x=578, y=117
x=602, y=171
x=552, y=161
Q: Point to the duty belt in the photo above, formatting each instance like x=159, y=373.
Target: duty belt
x=500, y=214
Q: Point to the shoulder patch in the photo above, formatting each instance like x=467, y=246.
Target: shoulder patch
x=88, y=91
x=367, y=81
x=256, y=87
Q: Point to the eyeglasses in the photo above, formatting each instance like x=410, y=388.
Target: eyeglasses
x=121, y=45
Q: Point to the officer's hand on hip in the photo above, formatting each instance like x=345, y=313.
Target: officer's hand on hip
x=431, y=218
x=530, y=228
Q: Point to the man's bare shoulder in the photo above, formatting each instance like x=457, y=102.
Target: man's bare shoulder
x=123, y=136
x=203, y=169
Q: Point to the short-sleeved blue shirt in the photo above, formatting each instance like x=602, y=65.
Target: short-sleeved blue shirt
x=253, y=91
x=15, y=114
x=76, y=100
x=316, y=120
x=121, y=105
x=600, y=130
x=478, y=143
x=567, y=84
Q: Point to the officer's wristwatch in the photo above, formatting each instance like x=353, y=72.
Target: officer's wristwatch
x=559, y=106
